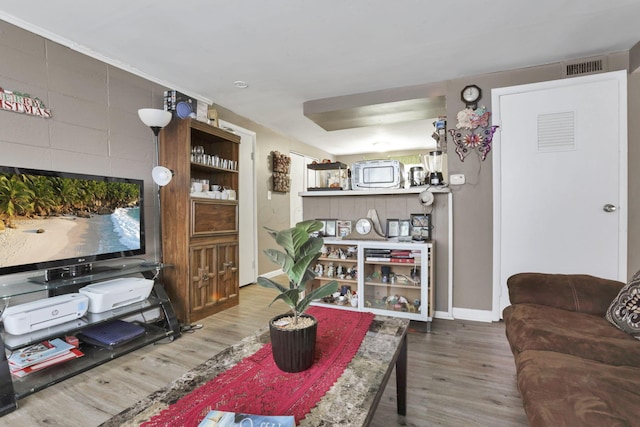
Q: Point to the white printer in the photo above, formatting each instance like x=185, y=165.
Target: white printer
x=110, y=294
x=44, y=313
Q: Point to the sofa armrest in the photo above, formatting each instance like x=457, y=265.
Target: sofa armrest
x=574, y=292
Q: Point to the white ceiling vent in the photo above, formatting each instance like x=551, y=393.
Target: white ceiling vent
x=585, y=66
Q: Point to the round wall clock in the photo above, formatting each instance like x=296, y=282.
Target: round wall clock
x=470, y=95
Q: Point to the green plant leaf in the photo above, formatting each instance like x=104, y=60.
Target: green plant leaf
x=321, y=292
x=280, y=258
x=268, y=283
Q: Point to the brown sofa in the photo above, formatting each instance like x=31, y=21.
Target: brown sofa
x=574, y=367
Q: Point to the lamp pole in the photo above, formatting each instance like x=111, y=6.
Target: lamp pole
x=157, y=119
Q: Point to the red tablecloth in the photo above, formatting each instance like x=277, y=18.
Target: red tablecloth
x=257, y=386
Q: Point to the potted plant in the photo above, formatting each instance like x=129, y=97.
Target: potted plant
x=293, y=335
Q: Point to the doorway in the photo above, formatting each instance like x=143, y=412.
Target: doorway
x=247, y=219
x=299, y=164
x=560, y=179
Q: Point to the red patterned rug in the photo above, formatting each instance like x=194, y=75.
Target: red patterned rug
x=257, y=386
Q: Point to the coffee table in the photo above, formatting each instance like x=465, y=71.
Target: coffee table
x=352, y=401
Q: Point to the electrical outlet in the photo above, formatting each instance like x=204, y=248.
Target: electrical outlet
x=457, y=179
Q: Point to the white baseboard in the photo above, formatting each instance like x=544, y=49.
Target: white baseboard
x=273, y=273
x=471, y=314
x=442, y=315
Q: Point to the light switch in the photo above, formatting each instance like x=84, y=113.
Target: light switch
x=268, y=194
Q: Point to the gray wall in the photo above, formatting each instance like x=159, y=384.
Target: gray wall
x=95, y=127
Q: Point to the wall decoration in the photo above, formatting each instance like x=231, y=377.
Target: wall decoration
x=473, y=132
x=23, y=103
x=281, y=164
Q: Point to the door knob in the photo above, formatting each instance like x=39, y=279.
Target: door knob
x=609, y=208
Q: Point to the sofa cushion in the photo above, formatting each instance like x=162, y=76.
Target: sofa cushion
x=539, y=327
x=574, y=292
x=624, y=311
x=561, y=390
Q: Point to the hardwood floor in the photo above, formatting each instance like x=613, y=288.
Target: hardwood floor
x=460, y=374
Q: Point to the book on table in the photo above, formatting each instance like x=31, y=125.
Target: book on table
x=217, y=418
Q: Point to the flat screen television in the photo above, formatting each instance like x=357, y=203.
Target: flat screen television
x=61, y=222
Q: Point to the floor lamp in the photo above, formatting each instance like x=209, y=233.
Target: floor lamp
x=157, y=119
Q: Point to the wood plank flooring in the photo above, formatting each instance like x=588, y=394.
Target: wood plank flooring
x=460, y=374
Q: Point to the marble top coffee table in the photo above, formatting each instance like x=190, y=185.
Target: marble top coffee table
x=361, y=384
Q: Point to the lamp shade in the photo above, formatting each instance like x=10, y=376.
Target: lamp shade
x=161, y=175
x=154, y=117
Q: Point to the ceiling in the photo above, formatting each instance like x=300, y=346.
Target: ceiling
x=335, y=53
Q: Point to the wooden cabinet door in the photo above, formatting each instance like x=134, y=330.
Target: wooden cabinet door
x=214, y=278
x=228, y=270
x=203, y=280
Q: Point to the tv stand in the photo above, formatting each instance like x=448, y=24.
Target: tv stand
x=157, y=306
x=67, y=272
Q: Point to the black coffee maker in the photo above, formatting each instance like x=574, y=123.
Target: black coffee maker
x=416, y=176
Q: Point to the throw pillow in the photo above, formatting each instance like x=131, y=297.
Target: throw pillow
x=624, y=311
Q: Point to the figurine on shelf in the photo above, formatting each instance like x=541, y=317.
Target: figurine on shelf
x=340, y=271
x=354, y=300
x=324, y=251
x=352, y=273
x=319, y=270
x=333, y=254
x=343, y=254
x=331, y=270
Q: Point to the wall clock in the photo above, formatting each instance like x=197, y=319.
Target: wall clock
x=364, y=230
x=470, y=95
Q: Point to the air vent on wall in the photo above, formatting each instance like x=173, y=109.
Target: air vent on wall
x=585, y=66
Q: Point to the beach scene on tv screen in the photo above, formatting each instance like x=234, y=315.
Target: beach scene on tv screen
x=49, y=218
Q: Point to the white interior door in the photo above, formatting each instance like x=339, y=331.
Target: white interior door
x=247, y=219
x=559, y=160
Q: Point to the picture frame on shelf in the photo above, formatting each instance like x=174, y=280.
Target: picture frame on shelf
x=329, y=228
x=343, y=228
x=404, y=228
x=421, y=227
x=393, y=227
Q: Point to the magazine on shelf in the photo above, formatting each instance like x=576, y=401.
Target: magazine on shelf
x=40, y=352
x=230, y=419
x=71, y=354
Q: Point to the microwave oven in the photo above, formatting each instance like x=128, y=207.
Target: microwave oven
x=377, y=174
